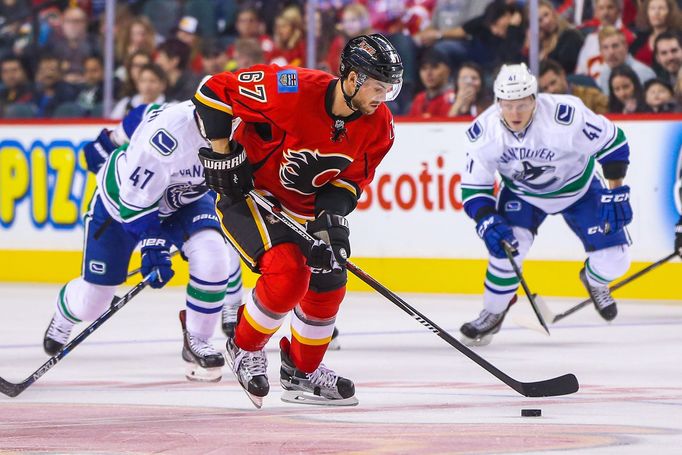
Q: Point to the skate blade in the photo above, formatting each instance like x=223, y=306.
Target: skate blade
x=196, y=373
x=297, y=397
x=475, y=342
x=257, y=401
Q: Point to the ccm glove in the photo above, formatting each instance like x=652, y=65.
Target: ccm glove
x=156, y=255
x=678, y=237
x=616, y=211
x=332, y=249
x=229, y=174
x=493, y=229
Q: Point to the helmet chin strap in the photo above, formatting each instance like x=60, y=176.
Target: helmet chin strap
x=349, y=98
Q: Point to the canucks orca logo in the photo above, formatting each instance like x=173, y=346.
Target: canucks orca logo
x=531, y=173
x=305, y=171
x=180, y=194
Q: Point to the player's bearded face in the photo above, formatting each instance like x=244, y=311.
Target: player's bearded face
x=517, y=113
x=370, y=96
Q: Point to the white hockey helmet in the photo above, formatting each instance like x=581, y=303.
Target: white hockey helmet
x=514, y=82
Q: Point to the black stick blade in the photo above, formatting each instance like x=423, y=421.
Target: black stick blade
x=9, y=389
x=562, y=385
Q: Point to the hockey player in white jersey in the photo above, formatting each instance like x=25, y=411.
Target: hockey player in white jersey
x=96, y=152
x=678, y=200
x=152, y=192
x=545, y=148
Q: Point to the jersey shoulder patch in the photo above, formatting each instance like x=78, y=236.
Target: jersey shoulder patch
x=287, y=81
x=564, y=114
x=163, y=142
x=474, y=132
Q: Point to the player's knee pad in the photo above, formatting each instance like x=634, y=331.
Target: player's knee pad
x=322, y=305
x=209, y=256
x=284, y=277
x=609, y=263
x=87, y=301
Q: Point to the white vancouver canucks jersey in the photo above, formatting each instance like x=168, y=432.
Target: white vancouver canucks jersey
x=159, y=169
x=550, y=164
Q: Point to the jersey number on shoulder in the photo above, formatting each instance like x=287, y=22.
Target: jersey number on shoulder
x=135, y=177
x=258, y=91
x=591, y=131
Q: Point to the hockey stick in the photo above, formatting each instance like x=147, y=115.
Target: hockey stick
x=12, y=390
x=509, y=251
x=615, y=287
x=562, y=385
x=137, y=270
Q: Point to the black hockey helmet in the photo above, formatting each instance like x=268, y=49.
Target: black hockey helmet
x=372, y=56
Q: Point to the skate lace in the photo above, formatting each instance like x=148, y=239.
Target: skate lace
x=251, y=363
x=486, y=319
x=230, y=313
x=603, y=296
x=201, y=346
x=58, y=333
x=323, y=377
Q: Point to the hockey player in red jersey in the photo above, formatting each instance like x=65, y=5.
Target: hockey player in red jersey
x=311, y=143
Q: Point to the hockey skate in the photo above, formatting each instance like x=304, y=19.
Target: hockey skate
x=322, y=387
x=56, y=335
x=334, y=344
x=229, y=321
x=250, y=368
x=601, y=298
x=204, y=362
x=480, y=331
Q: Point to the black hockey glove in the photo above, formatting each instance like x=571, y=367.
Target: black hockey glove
x=229, y=175
x=678, y=237
x=332, y=250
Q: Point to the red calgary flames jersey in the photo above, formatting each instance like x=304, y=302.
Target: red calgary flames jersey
x=285, y=124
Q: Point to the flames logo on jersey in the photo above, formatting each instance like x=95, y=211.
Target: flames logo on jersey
x=305, y=171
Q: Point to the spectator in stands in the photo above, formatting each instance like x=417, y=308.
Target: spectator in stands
x=51, y=90
x=472, y=97
x=668, y=55
x=187, y=32
x=151, y=85
x=133, y=64
x=626, y=93
x=654, y=18
x=92, y=92
x=553, y=80
x=74, y=44
x=173, y=57
x=138, y=36
x=214, y=58
x=354, y=22
x=16, y=87
x=13, y=15
x=247, y=52
x=249, y=24
x=289, y=38
x=559, y=41
x=678, y=88
x=438, y=94
x=607, y=12
x=614, y=51
x=659, y=96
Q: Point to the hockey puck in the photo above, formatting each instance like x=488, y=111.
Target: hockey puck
x=531, y=412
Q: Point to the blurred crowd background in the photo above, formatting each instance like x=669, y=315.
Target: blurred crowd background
x=618, y=56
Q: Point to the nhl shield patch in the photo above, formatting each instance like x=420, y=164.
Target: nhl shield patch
x=287, y=81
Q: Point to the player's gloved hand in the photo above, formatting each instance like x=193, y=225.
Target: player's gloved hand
x=332, y=250
x=678, y=237
x=96, y=152
x=616, y=211
x=229, y=174
x=156, y=255
x=493, y=229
